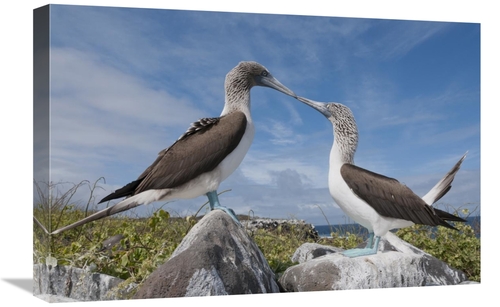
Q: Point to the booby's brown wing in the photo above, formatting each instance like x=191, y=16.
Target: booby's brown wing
x=206, y=143
x=197, y=153
x=389, y=197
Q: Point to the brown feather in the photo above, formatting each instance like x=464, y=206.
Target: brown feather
x=389, y=197
x=184, y=160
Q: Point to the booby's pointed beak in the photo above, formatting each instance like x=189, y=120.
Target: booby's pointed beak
x=318, y=106
x=272, y=82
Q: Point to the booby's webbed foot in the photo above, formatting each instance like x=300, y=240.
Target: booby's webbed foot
x=356, y=252
x=230, y=212
x=214, y=204
x=369, y=244
x=368, y=250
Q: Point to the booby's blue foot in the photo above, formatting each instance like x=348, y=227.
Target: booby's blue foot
x=214, y=204
x=369, y=244
x=356, y=252
x=230, y=212
x=368, y=250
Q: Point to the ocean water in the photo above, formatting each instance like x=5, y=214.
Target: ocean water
x=325, y=230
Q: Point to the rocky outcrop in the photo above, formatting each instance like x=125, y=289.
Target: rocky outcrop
x=217, y=257
x=308, y=251
x=397, y=264
x=69, y=284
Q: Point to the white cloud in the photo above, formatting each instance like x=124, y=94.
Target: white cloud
x=100, y=115
x=398, y=40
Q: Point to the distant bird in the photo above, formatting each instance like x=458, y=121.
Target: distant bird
x=205, y=155
x=374, y=201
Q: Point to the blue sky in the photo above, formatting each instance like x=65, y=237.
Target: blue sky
x=126, y=83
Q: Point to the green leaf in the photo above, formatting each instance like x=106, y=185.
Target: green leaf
x=124, y=260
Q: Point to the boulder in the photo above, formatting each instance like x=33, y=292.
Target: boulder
x=397, y=264
x=66, y=283
x=216, y=257
x=308, y=251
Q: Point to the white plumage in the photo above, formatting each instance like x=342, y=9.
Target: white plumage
x=374, y=201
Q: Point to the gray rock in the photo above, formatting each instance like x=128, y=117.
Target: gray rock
x=308, y=251
x=65, y=283
x=217, y=257
x=397, y=264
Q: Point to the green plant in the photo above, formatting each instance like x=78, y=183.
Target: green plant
x=346, y=240
x=143, y=244
x=279, y=245
x=460, y=249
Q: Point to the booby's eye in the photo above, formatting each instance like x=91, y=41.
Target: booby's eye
x=264, y=73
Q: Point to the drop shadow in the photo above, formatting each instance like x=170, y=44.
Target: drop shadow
x=22, y=283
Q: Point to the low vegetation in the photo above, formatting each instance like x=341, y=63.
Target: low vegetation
x=142, y=244
x=460, y=249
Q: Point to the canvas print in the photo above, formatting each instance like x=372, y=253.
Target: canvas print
x=191, y=153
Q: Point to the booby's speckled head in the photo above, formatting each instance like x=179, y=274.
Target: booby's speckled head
x=249, y=74
x=344, y=125
x=335, y=112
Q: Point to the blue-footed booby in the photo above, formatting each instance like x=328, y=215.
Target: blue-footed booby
x=374, y=201
x=205, y=155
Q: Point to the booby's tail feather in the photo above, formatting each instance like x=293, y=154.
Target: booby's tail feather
x=444, y=185
x=124, y=205
x=125, y=191
x=448, y=216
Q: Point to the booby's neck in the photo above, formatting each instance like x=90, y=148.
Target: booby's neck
x=237, y=88
x=341, y=154
x=242, y=104
x=345, y=133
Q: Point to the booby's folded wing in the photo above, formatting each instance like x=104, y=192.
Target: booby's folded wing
x=389, y=197
x=204, y=145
